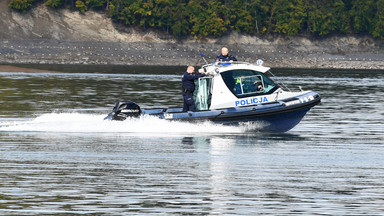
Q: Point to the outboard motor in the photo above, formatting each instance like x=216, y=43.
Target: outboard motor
x=124, y=109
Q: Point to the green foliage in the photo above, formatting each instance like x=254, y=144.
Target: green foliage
x=287, y=17
x=327, y=16
x=207, y=22
x=21, y=5
x=239, y=16
x=81, y=6
x=213, y=18
x=179, y=23
x=54, y=3
x=362, y=14
x=96, y=4
x=378, y=29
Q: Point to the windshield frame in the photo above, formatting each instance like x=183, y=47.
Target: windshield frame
x=233, y=78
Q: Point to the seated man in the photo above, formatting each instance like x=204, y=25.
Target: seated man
x=257, y=86
x=224, y=56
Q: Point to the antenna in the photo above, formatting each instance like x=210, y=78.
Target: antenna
x=202, y=55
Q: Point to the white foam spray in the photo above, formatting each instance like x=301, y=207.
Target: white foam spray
x=92, y=123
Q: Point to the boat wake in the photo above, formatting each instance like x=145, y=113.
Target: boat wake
x=93, y=123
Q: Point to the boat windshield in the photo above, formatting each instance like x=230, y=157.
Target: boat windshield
x=245, y=83
x=202, y=93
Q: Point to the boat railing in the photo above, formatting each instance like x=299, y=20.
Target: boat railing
x=226, y=63
x=214, y=67
x=281, y=84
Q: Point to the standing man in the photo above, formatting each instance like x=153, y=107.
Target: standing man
x=224, y=56
x=188, y=83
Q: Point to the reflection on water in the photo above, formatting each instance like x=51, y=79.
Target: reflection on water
x=59, y=157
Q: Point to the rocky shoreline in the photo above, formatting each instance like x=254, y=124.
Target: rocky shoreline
x=180, y=54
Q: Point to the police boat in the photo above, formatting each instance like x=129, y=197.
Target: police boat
x=234, y=93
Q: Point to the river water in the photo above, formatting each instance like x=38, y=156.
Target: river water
x=58, y=156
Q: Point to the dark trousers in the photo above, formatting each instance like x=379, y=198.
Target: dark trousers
x=189, y=104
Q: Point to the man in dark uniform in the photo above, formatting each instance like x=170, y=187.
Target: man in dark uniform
x=224, y=56
x=188, y=83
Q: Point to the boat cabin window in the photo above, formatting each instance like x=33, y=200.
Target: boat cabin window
x=245, y=83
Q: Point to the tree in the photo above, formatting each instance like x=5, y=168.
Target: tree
x=258, y=17
x=54, y=3
x=179, y=18
x=378, y=29
x=240, y=18
x=362, y=15
x=96, y=4
x=81, y=6
x=21, y=5
x=289, y=16
x=196, y=12
x=123, y=11
x=327, y=16
x=205, y=18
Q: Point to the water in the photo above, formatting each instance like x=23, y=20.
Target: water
x=58, y=156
